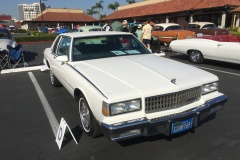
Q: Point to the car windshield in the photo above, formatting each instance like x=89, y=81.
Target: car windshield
x=193, y=26
x=106, y=46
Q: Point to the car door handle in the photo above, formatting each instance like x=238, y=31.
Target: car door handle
x=219, y=45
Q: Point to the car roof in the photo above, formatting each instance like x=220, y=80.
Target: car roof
x=166, y=24
x=90, y=27
x=201, y=23
x=4, y=29
x=86, y=28
x=95, y=33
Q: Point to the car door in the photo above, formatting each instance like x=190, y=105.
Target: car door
x=61, y=69
x=228, y=51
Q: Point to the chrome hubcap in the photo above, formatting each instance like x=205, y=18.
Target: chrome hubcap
x=84, y=115
x=195, y=56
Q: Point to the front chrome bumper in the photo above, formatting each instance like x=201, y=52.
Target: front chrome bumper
x=146, y=127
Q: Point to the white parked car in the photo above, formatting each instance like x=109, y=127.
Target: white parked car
x=124, y=91
x=222, y=48
x=6, y=38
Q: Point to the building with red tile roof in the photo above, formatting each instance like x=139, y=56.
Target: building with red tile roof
x=53, y=17
x=4, y=17
x=164, y=11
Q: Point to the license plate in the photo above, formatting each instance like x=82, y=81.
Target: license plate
x=181, y=126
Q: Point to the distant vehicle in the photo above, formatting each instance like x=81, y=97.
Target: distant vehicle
x=43, y=29
x=62, y=30
x=166, y=32
x=52, y=30
x=222, y=48
x=2, y=26
x=124, y=91
x=12, y=28
x=206, y=28
x=6, y=38
x=90, y=28
x=73, y=30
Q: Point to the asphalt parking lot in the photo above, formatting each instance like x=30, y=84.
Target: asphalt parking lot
x=28, y=134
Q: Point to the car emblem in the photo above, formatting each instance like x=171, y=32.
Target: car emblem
x=173, y=80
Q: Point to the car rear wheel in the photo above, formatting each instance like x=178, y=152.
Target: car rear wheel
x=88, y=122
x=55, y=82
x=196, y=56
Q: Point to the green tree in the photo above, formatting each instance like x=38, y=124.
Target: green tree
x=113, y=6
x=102, y=16
x=91, y=11
x=130, y=1
x=99, y=6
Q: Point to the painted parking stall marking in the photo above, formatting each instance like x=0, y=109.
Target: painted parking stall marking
x=50, y=115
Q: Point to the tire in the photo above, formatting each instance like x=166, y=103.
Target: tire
x=195, y=56
x=55, y=82
x=88, y=122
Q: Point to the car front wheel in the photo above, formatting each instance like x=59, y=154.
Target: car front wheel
x=196, y=56
x=88, y=122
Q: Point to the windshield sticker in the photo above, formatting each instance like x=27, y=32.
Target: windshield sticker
x=132, y=52
x=119, y=52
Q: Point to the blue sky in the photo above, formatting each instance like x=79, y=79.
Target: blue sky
x=10, y=7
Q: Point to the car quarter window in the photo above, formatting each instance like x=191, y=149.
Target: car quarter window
x=56, y=44
x=64, y=46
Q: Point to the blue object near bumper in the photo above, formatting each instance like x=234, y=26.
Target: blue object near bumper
x=145, y=127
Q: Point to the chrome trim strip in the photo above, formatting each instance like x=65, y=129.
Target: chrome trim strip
x=88, y=81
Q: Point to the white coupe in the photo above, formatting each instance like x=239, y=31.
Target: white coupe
x=222, y=48
x=124, y=91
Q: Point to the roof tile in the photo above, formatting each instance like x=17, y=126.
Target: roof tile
x=169, y=7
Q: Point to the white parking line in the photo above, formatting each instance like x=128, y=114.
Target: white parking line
x=235, y=74
x=51, y=117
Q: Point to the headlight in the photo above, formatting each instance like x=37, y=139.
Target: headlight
x=122, y=107
x=210, y=87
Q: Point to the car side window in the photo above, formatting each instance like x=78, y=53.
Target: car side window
x=172, y=28
x=64, y=46
x=56, y=44
x=158, y=28
x=209, y=26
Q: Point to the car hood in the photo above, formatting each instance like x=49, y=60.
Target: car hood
x=141, y=74
x=5, y=42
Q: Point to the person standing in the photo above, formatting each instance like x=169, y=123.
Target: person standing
x=139, y=32
x=146, y=34
x=124, y=24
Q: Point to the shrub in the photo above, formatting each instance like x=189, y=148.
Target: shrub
x=233, y=29
x=20, y=31
x=43, y=37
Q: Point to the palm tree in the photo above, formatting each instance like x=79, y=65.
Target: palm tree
x=113, y=6
x=91, y=11
x=99, y=6
x=102, y=16
x=130, y=1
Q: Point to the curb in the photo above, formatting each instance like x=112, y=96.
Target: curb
x=14, y=70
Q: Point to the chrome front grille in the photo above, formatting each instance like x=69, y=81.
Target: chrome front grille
x=172, y=100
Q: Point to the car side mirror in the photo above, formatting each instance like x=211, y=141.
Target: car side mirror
x=63, y=58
